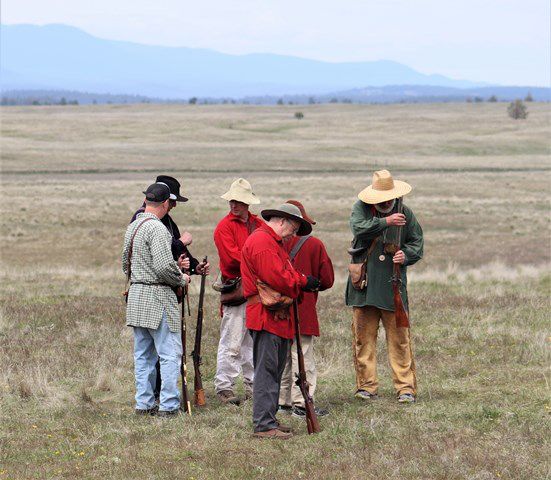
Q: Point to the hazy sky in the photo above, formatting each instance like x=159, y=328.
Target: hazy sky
x=498, y=41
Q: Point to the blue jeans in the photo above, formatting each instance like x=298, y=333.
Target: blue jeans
x=149, y=345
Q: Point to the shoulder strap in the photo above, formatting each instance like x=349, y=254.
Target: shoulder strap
x=298, y=246
x=371, y=248
x=131, y=247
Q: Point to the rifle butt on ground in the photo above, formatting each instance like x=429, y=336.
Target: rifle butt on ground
x=199, y=398
x=312, y=422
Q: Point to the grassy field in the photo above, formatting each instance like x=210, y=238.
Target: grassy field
x=73, y=176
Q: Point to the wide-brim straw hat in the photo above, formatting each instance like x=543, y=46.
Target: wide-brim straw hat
x=241, y=191
x=291, y=212
x=384, y=188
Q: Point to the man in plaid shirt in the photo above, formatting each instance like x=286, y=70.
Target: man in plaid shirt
x=179, y=245
x=152, y=308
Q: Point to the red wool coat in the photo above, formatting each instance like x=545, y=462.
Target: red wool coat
x=311, y=259
x=229, y=237
x=264, y=258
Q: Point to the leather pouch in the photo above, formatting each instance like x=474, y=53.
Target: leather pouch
x=274, y=301
x=358, y=271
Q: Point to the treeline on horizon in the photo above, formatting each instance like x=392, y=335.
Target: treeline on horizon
x=63, y=97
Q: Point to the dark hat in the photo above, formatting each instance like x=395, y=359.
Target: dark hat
x=157, y=192
x=292, y=212
x=174, y=186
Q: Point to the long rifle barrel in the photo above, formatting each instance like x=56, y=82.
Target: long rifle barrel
x=199, y=396
x=402, y=318
x=312, y=423
x=183, y=369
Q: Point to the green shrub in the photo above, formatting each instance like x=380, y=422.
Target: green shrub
x=517, y=110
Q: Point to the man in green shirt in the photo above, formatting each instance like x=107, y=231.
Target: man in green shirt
x=375, y=224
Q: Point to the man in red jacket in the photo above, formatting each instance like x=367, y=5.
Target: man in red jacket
x=265, y=260
x=309, y=257
x=235, y=349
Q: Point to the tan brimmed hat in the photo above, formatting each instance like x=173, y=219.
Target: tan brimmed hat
x=292, y=212
x=241, y=191
x=383, y=188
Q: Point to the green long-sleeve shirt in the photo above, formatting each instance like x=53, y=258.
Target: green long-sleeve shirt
x=365, y=228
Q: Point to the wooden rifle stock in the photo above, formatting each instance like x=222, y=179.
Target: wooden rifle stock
x=402, y=318
x=312, y=423
x=400, y=313
x=199, y=397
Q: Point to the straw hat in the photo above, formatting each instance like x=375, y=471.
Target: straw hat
x=292, y=212
x=383, y=188
x=241, y=191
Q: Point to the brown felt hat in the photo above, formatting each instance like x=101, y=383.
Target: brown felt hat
x=383, y=189
x=291, y=212
x=300, y=206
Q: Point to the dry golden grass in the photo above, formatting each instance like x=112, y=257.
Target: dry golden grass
x=72, y=177
x=227, y=138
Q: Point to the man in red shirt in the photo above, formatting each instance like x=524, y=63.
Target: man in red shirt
x=309, y=257
x=265, y=260
x=235, y=349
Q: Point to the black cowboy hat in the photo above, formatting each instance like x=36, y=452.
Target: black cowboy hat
x=173, y=185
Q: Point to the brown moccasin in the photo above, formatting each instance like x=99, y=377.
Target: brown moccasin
x=227, y=396
x=284, y=428
x=275, y=434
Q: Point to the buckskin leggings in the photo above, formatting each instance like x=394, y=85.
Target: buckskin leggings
x=365, y=326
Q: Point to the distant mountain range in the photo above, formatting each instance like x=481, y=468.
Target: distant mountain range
x=61, y=57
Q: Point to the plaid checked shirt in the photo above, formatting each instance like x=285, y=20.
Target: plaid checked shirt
x=152, y=263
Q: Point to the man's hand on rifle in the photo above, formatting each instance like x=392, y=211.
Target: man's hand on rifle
x=183, y=262
x=203, y=268
x=399, y=257
x=396, y=219
x=312, y=284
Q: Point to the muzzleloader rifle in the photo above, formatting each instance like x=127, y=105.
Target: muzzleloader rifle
x=402, y=318
x=186, y=404
x=199, y=397
x=312, y=423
